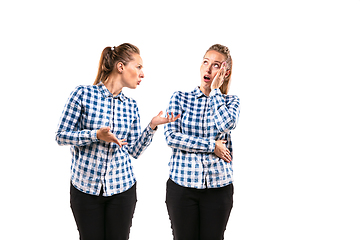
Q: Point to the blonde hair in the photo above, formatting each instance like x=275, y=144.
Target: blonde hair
x=111, y=56
x=226, y=52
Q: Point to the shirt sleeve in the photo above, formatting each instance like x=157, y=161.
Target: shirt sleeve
x=226, y=113
x=68, y=132
x=176, y=139
x=137, y=143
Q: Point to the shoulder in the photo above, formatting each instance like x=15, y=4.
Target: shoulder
x=182, y=96
x=231, y=99
x=81, y=89
x=77, y=93
x=85, y=93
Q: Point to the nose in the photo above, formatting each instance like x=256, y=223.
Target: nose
x=208, y=69
x=141, y=74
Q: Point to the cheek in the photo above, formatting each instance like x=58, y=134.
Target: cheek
x=213, y=73
x=133, y=74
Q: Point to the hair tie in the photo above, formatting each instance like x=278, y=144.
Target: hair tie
x=112, y=48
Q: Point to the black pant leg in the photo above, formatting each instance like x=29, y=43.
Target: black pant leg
x=119, y=213
x=215, y=208
x=89, y=212
x=183, y=209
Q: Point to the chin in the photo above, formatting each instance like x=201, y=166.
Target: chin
x=206, y=83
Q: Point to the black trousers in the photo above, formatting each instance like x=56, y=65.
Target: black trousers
x=103, y=218
x=198, y=214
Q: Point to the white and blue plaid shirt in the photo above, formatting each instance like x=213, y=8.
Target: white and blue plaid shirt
x=97, y=163
x=192, y=138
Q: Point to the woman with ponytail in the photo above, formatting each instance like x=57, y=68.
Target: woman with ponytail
x=199, y=194
x=102, y=126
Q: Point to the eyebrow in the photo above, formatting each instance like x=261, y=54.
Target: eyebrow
x=214, y=61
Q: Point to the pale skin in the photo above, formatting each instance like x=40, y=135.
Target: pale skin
x=129, y=76
x=213, y=71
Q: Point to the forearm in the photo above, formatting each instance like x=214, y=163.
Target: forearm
x=139, y=144
x=76, y=138
x=189, y=143
x=225, y=114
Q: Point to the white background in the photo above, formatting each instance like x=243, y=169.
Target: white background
x=296, y=71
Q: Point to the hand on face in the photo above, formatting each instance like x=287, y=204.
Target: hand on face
x=219, y=78
x=213, y=71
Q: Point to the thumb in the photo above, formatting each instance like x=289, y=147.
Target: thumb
x=160, y=113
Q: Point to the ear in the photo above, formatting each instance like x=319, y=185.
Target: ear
x=227, y=73
x=120, y=67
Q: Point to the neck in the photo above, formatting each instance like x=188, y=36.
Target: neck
x=113, y=84
x=205, y=90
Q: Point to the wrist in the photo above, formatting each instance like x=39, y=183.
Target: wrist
x=153, y=126
x=215, y=91
x=94, y=135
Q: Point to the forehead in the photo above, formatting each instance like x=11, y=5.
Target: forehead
x=215, y=56
x=137, y=59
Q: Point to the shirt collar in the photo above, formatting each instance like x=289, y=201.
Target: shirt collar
x=106, y=93
x=198, y=93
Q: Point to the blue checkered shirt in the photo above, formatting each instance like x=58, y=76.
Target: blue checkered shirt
x=97, y=163
x=192, y=139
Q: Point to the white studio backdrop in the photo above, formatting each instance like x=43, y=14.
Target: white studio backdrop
x=296, y=71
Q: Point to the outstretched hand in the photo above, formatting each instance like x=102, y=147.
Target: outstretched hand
x=106, y=135
x=158, y=120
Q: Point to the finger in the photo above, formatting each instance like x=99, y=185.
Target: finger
x=117, y=142
x=226, y=155
x=223, y=69
x=177, y=117
x=160, y=113
x=172, y=116
x=122, y=141
x=227, y=158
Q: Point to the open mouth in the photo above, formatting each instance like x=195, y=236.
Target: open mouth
x=206, y=78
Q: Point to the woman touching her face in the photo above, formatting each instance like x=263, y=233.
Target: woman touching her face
x=199, y=194
x=212, y=63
